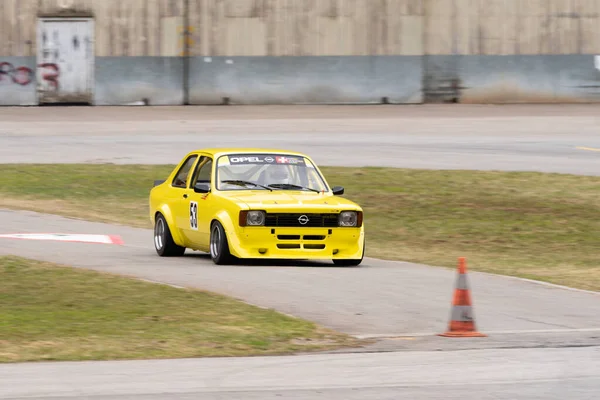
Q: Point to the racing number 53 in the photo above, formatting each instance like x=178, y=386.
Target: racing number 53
x=194, y=215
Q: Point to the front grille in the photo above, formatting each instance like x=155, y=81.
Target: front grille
x=288, y=237
x=314, y=246
x=313, y=237
x=288, y=246
x=293, y=220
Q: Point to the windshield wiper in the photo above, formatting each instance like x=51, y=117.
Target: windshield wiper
x=290, y=186
x=242, y=182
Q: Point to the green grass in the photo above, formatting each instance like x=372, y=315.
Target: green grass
x=533, y=225
x=51, y=312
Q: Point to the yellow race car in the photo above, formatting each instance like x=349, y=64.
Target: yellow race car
x=254, y=204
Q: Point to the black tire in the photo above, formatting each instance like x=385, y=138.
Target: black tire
x=219, y=247
x=349, y=262
x=163, y=241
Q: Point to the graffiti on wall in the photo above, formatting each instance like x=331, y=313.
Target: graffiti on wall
x=49, y=73
x=9, y=74
x=20, y=75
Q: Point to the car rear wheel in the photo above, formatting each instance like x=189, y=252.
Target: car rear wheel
x=163, y=241
x=219, y=247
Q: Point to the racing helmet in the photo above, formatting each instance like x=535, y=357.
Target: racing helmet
x=277, y=174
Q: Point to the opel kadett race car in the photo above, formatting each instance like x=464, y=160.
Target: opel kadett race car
x=254, y=204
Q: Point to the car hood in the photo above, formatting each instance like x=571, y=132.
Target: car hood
x=286, y=199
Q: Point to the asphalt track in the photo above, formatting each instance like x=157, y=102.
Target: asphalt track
x=527, y=138
x=494, y=374
x=539, y=331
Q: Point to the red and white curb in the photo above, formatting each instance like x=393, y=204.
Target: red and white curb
x=66, y=237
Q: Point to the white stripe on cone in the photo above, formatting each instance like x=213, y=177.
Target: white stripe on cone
x=66, y=237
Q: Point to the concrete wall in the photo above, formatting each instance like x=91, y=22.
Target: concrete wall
x=511, y=79
x=227, y=27
x=137, y=44
x=512, y=27
x=306, y=27
x=149, y=80
x=319, y=51
x=305, y=80
x=507, y=51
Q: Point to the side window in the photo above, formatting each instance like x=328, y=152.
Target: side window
x=203, y=171
x=182, y=175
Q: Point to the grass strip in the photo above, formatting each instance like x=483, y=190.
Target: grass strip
x=50, y=312
x=533, y=225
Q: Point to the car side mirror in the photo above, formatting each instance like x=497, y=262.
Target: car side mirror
x=202, y=187
x=337, y=190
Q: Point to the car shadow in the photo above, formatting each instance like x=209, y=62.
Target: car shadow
x=273, y=262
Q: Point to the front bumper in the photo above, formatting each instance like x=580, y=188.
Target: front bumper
x=297, y=243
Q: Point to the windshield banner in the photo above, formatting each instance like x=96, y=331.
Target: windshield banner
x=265, y=159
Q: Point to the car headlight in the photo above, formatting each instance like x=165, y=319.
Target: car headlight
x=252, y=218
x=350, y=218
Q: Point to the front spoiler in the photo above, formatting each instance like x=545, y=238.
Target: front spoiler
x=297, y=243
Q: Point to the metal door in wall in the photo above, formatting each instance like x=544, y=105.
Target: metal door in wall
x=65, y=62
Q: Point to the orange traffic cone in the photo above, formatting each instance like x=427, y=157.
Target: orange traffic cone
x=462, y=323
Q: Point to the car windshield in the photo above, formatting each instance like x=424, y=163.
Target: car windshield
x=268, y=172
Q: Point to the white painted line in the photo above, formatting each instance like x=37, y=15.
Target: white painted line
x=587, y=148
x=566, y=330
x=160, y=283
x=235, y=298
x=438, y=267
x=66, y=237
x=392, y=336
x=542, y=283
x=422, y=334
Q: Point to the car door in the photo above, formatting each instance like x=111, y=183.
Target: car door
x=197, y=204
x=179, y=194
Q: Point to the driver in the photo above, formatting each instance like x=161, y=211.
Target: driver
x=275, y=174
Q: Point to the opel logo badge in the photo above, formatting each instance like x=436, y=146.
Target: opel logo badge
x=303, y=219
x=269, y=159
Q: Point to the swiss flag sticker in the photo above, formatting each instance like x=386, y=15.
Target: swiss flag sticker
x=282, y=160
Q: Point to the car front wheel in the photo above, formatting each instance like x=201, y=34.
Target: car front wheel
x=163, y=241
x=350, y=262
x=219, y=248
